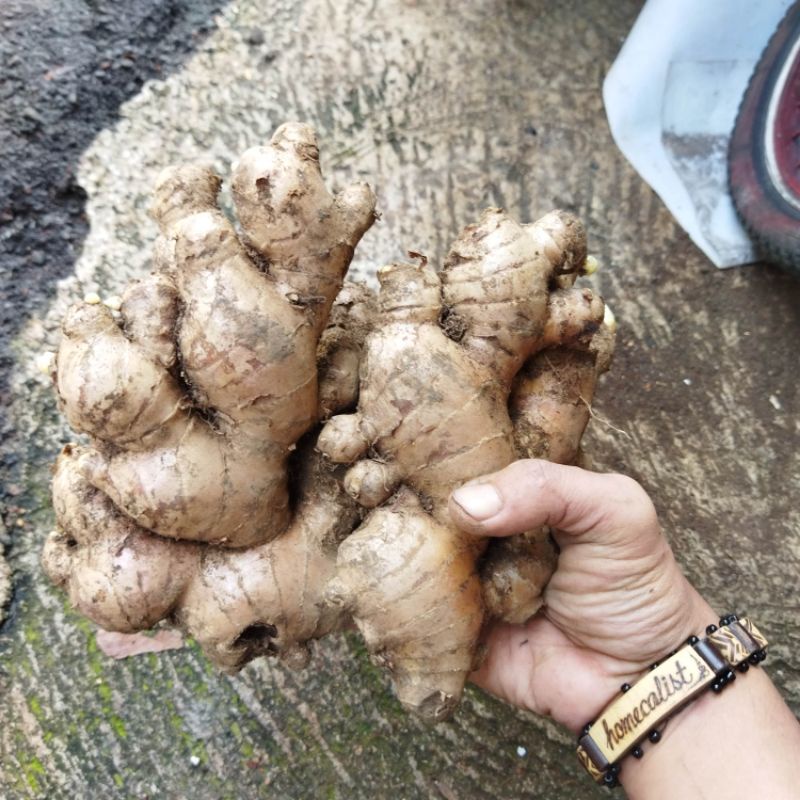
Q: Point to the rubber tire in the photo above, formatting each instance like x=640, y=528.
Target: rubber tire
x=772, y=222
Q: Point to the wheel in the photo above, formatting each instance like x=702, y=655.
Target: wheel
x=764, y=156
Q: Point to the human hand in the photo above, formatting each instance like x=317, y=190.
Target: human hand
x=616, y=603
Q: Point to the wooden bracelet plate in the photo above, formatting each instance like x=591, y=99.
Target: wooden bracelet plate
x=663, y=691
x=648, y=703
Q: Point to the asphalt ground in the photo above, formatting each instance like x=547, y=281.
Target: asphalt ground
x=66, y=66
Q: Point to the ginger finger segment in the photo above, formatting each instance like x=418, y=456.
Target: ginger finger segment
x=110, y=388
x=342, y=439
x=183, y=191
x=288, y=216
x=341, y=346
x=514, y=573
x=410, y=293
x=197, y=488
x=550, y=404
x=429, y=410
x=413, y=591
x=550, y=407
x=269, y=599
x=371, y=482
x=338, y=381
x=149, y=311
x=113, y=572
x=246, y=351
x=572, y=314
x=496, y=279
x=563, y=238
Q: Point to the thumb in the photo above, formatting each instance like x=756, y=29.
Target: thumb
x=607, y=508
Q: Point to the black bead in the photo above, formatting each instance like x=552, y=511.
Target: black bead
x=637, y=752
x=692, y=640
x=654, y=736
x=710, y=629
x=725, y=678
x=654, y=665
x=610, y=780
x=586, y=728
x=626, y=687
x=743, y=667
x=754, y=659
x=762, y=655
x=716, y=687
x=611, y=776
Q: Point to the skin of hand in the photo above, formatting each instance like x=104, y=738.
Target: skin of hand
x=616, y=603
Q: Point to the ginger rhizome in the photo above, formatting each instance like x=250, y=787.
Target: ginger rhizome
x=433, y=413
x=196, y=399
x=270, y=451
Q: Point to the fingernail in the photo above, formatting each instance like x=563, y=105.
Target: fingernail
x=481, y=501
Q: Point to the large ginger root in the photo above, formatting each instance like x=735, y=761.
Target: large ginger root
x=208, y=497
x=432, y=414
x=196, y=400
x=238, y=603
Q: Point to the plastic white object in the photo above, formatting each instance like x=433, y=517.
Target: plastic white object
x=671, y=98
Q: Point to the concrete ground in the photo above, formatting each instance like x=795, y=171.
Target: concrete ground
x=445, y=108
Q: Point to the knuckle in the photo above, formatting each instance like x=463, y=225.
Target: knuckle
x=537, y=474
x=636, y=506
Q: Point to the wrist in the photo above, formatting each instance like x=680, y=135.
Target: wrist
x=720, y=743
x=688, y=730
x=743, y=730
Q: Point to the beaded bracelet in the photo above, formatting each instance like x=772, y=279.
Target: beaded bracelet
x=666, y=688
